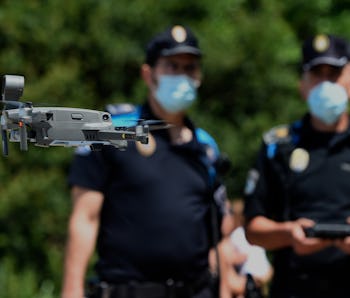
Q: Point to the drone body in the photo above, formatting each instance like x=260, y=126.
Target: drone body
x=60, y=126
x=69, y=127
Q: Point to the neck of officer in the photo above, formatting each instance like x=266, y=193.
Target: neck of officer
x=340, y=126
x=176, y=119
x=179, y=133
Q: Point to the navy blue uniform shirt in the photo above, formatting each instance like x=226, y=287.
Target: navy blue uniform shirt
x=155, y=215
x=320, y=191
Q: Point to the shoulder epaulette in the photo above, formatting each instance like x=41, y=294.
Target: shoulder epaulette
x=282, y=134
x=277, y=135
x=124, y=114
x=211, y=152
x=205, y=138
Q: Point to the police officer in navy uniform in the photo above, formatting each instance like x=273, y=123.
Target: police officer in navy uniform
x=301, y=178
x=147, y=208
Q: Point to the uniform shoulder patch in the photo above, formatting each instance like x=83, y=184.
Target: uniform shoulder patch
x=277, y=135
x=212, y=149
x=124, y=114
x=120, y=108
x=83, y=150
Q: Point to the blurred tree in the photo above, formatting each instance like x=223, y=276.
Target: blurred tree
x=87, y=53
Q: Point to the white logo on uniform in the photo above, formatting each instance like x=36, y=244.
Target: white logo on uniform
x=252, y=180
x=299, y=160
x=345, y=166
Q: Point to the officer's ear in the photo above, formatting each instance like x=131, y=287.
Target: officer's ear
x=146, y=74
x=344, y=78
x=304, y=87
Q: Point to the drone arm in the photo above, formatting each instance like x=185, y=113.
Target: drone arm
x=106, y=135
x=5, y=147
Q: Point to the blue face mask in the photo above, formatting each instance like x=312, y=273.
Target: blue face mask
x=327, y=101
x=176, y=93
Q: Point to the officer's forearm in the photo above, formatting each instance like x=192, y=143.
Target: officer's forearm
x=268, y=233
x=80, y=246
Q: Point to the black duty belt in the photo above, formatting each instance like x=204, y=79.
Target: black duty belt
x=169, y=289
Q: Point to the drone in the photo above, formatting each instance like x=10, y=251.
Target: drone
x=61, y=126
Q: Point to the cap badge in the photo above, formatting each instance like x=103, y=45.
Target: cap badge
x=299, y=160
x=179, y=33
x=147, y=149
x=321, y=43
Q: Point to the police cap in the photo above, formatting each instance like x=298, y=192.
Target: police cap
x=174, y=40
x=324, y=49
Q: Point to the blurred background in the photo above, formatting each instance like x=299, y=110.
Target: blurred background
x=87, y=53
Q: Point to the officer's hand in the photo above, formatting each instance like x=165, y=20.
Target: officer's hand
x=303, y=245
x=228, y=255
x=344, y=244
x=231, y=254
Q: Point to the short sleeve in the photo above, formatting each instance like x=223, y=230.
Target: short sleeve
x=88, y=170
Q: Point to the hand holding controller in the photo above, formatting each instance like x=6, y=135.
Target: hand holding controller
x=328, y=231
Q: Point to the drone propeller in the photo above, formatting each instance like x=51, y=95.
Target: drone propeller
x=150, y=122
x=129, y=124
x=125, y=116
x=12, y=104
x=156, y=124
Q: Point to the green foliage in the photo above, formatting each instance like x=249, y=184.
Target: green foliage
x=86, y=53
x=23, y=284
